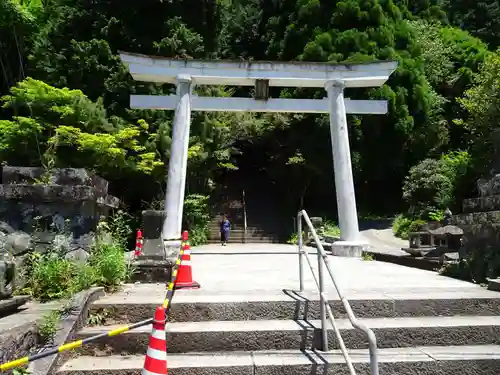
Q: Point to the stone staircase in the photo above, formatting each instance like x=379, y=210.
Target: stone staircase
x=237, y=235
x=235, y=211
x=444, y=332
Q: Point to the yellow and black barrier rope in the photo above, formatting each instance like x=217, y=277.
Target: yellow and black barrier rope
x=115, y=332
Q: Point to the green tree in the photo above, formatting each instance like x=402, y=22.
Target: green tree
x=433, y=184
x=482, y=103
x=452, y=57
x=60, y=127
x=18, y=24
x=481, y=18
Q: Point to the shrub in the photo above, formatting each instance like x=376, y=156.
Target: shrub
x=53, y=277
x=432, y=184
x=428, y=186
x=85, y=277
x=331, y=229
x=108, y=262
x=119, y=227
x=294, y=238
x=196, y=218
x=198, y=235
x=403, y=225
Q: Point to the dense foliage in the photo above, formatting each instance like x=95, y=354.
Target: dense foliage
x=66, y=96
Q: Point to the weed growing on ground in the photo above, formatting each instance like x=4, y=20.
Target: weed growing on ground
x=367, y=256
x=21, y=371
x=294, y=238
x=48, y=326
x=99, y=317
x=108, y=262
x=53, y=277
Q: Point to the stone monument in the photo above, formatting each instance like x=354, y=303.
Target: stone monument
x=154, y=265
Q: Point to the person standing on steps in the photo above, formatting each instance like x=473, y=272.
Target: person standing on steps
x=225, y=227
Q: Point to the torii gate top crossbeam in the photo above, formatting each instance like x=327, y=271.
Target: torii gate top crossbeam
x=239, y=73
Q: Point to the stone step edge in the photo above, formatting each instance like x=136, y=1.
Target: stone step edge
x=110, y=364
x=441, y=322
x=198, y=297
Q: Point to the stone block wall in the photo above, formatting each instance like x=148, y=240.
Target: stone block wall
x=480, y=219
x=63, y=200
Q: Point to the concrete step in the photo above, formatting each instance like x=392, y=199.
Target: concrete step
x=241, y=231
x=132, y=305
x=241, y=240
x=234, y=228
x=465, y=360
x=290, y=334
x=238, y=239
x=238, y=233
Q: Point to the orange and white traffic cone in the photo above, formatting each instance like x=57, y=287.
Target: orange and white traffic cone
x=138, y=243
x=185, y=273
x=156, y=356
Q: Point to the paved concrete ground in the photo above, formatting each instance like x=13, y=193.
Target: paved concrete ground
x=379, y=235
x=254, y=271
x=27, y=314
x=273, y=267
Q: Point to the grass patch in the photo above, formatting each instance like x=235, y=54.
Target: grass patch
x=54, y=277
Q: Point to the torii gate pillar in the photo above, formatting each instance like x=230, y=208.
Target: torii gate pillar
x=342, y=166
x=177, y=165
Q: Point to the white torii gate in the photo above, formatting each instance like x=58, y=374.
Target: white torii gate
x=187, y=73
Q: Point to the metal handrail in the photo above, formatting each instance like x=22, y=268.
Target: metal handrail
x=325, y=308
